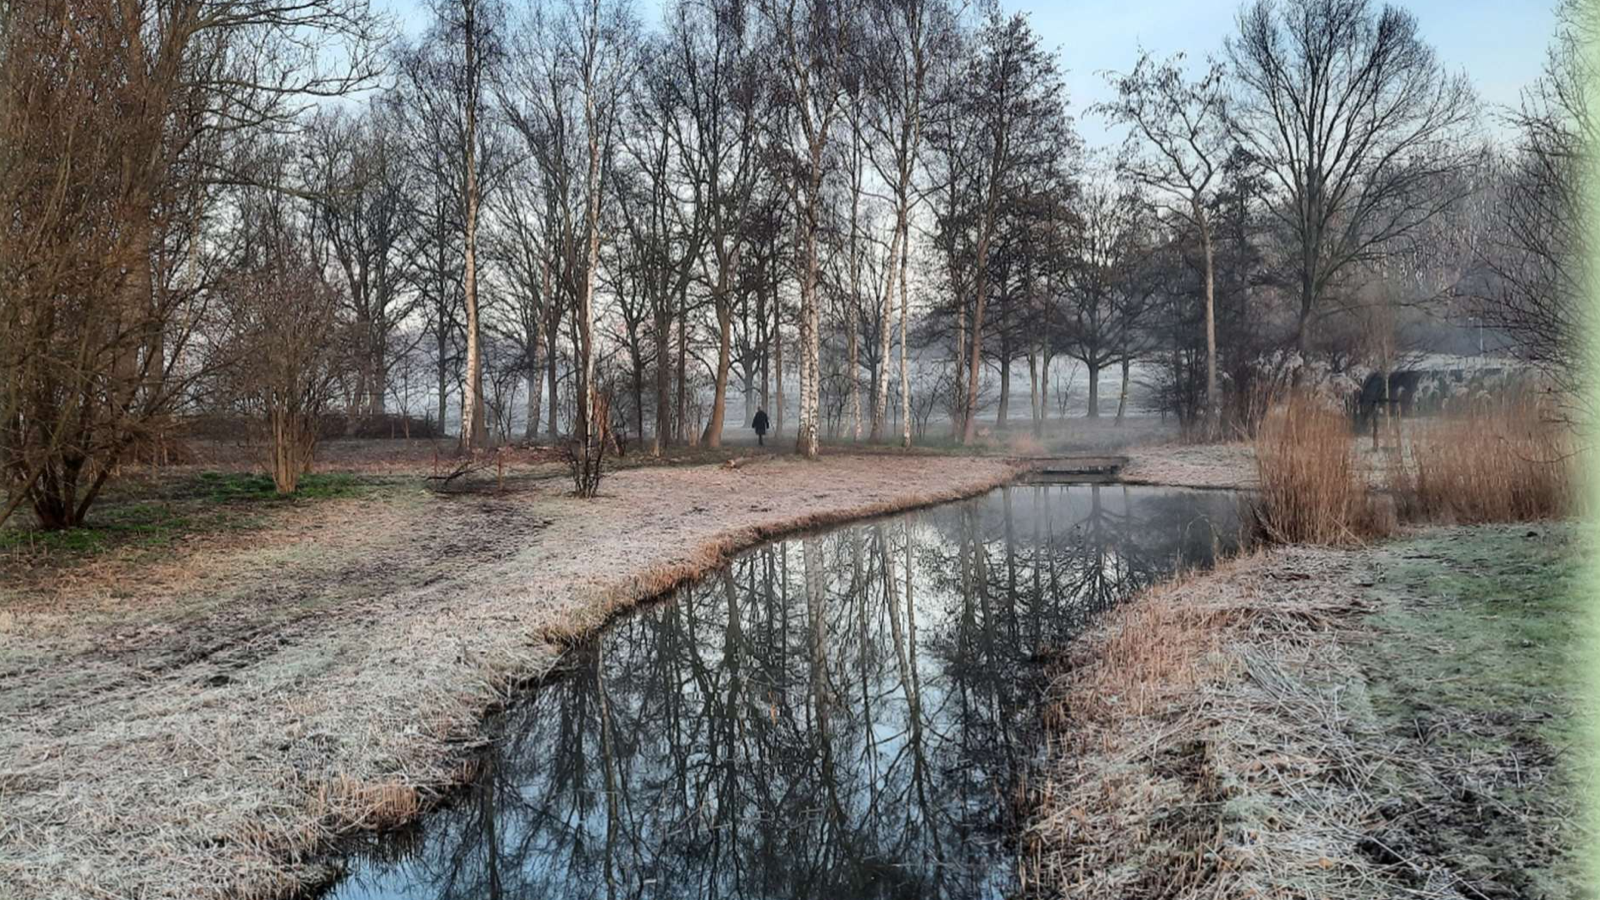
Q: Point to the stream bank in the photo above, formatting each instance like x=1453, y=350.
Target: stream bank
x=1398, y=720
x=850, y=713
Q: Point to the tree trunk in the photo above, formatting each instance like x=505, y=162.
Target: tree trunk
x=853, y=310
x=530, y=431
x=379, y=388
x=1094, y=391
x=1033, y=390
x=552, y=351
x=958, y=393
x=1005, y=395
x=658, y=441
x=681, y=420
x=777, y=374
x=1213, y=400
x=444, y=378
x=807, y=437
x=719, y=401
x=1122, y=397
x=1044, y=386
x=905, y=379
x=885, y=327
x=764, y=335
x=474, y=431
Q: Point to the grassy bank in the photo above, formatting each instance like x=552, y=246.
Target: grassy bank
x=1393, y=720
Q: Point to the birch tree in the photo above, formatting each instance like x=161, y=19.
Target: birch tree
x=813, y=38
x=908, y=34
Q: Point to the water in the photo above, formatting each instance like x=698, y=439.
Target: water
x=843, y=715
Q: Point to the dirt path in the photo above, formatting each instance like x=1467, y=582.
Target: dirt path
x=1230, y=466
x=198, y=725
x=1395, y=721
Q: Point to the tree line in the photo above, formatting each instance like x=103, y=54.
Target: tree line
x=552, y=214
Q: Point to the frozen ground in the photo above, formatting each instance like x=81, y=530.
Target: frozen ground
x=198, y=721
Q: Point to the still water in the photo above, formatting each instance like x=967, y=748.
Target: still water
x=842, y=715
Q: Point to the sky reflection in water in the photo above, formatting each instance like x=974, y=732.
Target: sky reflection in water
x=845, y=715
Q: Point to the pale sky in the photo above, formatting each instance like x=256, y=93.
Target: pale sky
x=1500, y=44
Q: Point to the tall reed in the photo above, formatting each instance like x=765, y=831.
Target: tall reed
x=1506, y=459
x=1313, y=487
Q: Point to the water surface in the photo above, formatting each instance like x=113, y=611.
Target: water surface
x=842, y=715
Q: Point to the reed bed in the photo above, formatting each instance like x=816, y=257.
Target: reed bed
x=1504, y=460
x=1313, y=486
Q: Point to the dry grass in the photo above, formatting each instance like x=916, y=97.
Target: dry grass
x=351, y=804
x=1287, y=726
x=1158, y=720
x=1198, y=465
x=1313, y=485
x=1505, y=460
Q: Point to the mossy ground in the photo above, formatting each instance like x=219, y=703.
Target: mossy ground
x=153, y=514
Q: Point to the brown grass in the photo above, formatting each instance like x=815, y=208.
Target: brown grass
x=1218, y=738
x=1313, y=488
x=1133, y=804
x=351, y=804
x=1202, y=745
x=1504, y=460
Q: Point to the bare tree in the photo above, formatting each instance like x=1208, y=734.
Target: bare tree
x=908, y=35
x=1110, y=291
x=1176, y=145
x=1356, y=124
x=1539, y=240
x=284, y=348
x=1015, y=104
x=365, y=215
x=718, y=93
x=813, y=40
x=131, y=114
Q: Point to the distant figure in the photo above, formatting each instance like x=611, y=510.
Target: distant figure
x=760, y=425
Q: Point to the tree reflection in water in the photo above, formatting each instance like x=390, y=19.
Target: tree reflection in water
x=836, y=716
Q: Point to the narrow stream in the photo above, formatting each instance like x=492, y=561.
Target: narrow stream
x=841, y=715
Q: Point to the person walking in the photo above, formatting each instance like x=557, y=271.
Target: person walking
x=760, y=425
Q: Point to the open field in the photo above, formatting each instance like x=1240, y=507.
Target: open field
x=194, y=706
x=1398, y=720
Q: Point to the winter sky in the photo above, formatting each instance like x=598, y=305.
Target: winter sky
x=1500, y=44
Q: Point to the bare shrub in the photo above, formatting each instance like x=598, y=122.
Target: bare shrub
x=586, y=452
x=287, y=347
x=1313, y=488
x=1500, y=460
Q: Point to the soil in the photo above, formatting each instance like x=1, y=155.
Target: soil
x=199, y=719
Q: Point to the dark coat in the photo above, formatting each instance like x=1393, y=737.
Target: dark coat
x=760, y=423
